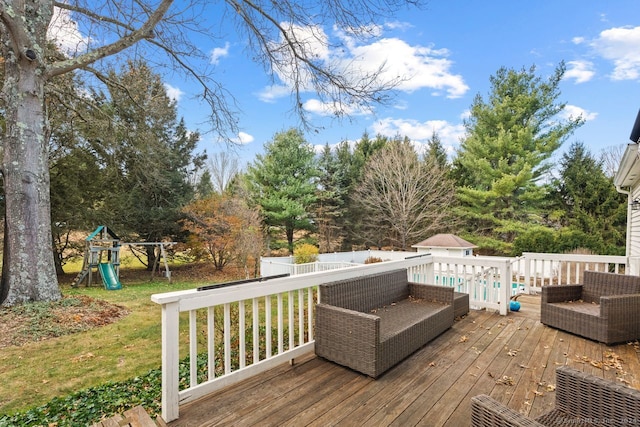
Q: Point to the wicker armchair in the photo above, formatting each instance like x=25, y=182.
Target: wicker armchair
x=371, y=323
x=604, y=308
x=581, y=400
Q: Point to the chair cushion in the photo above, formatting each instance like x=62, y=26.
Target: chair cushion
x=580, y=307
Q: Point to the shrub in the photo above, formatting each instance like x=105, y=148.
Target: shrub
x=372, y=260
x=305, y=253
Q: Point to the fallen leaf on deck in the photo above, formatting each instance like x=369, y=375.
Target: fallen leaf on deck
x=506, y=380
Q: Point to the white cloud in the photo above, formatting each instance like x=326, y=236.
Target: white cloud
x=271, y=93
x=581, y=71
x=421, y=132
x=219, y=52
x=173, y=93
x=331, y=109
x=416, y=67
x=578, y=40
x=243, y=138
x=573, y=112
x=64, y=31
x=398, y=25
x=391, y=61
x=620, y=45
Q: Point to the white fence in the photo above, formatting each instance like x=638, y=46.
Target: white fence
x=281, y=265
x=273, y=268
x=252, y=327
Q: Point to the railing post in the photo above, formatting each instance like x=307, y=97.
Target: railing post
x=170, y=360
x=633, y=266
x=527, y=273
x=505, y=287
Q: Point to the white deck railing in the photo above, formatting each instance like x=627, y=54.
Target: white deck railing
x=278, y=313
x=487, y=280
x=534, y=270
x=235, y=332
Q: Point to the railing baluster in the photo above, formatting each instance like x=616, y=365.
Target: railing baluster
x=268, y=324
x=255, y=312
x=280, y=325
x=242, y=348
x=301, y=317
x=310, y=304
x=227, y=338
x=290, y=312
x=211, y=340
x=193, y=348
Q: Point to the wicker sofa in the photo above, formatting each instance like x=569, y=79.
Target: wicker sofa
x=371, y=323
x=604, y=308
x=581, y=399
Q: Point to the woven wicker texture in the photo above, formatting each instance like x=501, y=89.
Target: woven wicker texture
x=605, y=308
x=371, y=323
x=581, y=400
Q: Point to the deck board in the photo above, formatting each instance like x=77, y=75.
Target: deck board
x=511, y=358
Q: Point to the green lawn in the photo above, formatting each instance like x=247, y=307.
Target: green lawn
x=34, y=373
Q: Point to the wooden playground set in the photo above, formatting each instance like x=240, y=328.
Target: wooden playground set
x=102, y=255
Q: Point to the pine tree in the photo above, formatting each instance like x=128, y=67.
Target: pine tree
x=330, y=202
x=585, y=199
x=437, y=152
x=283, y=183
x=150, y=157
x=500, y=164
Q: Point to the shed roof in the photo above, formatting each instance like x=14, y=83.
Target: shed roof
x=444, y=241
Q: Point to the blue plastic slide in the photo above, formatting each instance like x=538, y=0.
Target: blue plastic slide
x=109, y=277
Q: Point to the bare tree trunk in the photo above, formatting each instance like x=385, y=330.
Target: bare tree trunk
x=29, y=272
x=151, y=257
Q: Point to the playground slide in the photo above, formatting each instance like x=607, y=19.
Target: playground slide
x=109, y=277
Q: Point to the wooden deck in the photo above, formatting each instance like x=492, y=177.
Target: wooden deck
x=511, y=358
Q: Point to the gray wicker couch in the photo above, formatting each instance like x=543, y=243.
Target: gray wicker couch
x=604, y=308
x=581, y=400
x=371, y=323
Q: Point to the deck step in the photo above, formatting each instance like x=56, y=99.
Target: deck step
x=134, y=417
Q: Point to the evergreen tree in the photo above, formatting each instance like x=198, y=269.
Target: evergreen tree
x=204, y=187
x=437, y=152
x=150, y=157
x=283, y=183
x=499, y=166
x=351, y=167
x=330, y=202
x=585, y=199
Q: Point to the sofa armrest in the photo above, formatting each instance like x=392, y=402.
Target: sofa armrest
x=342, y=329
x=585, y=396
x=624, y=307
x=561, y=293
x=488, y=412
x=442, y=294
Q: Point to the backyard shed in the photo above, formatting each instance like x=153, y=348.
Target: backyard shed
x=445, y=245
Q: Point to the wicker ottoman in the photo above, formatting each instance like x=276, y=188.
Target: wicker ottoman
x=460, y=304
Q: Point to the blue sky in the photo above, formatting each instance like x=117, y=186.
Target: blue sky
x=446, y=52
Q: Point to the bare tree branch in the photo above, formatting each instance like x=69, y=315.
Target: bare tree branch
x=145, y=31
